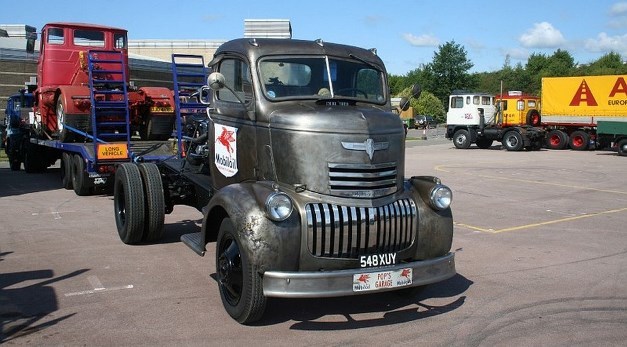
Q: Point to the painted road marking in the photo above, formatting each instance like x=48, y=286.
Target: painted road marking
x=532, y=225
x=98, y=287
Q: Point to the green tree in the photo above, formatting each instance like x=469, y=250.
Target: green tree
x=609, y=64
x=448, y=71
x=427, y=104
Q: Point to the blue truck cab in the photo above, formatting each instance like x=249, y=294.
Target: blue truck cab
x=16, y=122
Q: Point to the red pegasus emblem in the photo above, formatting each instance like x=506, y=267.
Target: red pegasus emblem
x=225, y=139
x=405, y=273
x=364, y=278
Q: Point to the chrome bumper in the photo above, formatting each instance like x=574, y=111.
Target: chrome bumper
x=340, y=282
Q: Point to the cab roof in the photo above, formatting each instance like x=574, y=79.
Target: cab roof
x=83, y=26
x=257, y=48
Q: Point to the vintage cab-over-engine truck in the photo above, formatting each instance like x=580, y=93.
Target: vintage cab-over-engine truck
x=298, y=167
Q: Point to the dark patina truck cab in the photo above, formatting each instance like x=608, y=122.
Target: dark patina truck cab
x=304, y=179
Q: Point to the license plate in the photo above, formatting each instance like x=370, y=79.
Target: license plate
x=112, y=151
x=155, y=109
x=368, y=281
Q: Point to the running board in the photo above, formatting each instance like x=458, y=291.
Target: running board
x=194, y=241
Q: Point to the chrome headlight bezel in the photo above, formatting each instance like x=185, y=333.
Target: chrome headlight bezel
x=440, y=197
x=278, y=206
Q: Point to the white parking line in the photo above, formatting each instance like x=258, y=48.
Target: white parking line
x=98, y=287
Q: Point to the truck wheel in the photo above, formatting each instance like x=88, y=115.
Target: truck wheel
x=556, y=139
x=32, y=158
x=484, y=143
x=513, y=141
x=79, y=176
x=461, y=139
x=533, y=118
x=238, y=280
x=66, y=170
x=128, y=203
x=13, y=156
x=153, y=130
x=622, y=148
x=154, y=201
x=579, y=140
x=65, y=135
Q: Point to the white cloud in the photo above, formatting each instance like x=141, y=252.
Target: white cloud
x=542, y=35
x=604, y=43
x=425, y=40
x=517, y=53
x=618, y=9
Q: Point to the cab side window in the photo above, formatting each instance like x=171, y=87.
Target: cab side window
x=237, y=76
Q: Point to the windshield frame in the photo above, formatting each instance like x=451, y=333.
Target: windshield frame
x=331, y=77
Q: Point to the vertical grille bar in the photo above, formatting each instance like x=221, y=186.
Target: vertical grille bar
x=348, y=231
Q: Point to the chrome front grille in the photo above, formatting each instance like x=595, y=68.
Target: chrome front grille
x=335, y=231
x=362, y=180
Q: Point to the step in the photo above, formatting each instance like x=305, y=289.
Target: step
x=194, y=241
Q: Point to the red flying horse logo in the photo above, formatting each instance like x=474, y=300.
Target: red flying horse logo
x=225, y=138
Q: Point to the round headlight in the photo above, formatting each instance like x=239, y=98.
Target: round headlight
x=441, y=197
x=278, y=206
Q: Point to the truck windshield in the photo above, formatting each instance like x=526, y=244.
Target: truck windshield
x=320, y=77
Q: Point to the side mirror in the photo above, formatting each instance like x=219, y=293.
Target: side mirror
x=216, y=81
x=404, y=104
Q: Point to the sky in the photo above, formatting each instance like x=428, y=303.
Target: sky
x=405, y=33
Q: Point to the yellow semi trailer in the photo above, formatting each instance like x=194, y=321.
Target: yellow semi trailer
x=572, y=106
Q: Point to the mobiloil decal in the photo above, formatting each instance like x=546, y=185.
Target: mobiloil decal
x=226, y=149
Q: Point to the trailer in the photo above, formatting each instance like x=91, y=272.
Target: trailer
x=572, y=107
x=291, y=152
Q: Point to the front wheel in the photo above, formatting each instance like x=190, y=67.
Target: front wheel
x=65, y=135
x=155, y=201
x=240, y=284
x=79, y=176
x=513, y=141
x=461, y=139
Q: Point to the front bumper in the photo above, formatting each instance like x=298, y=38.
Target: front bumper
x=340, y=282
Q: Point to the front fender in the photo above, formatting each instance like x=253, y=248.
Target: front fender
x=76, y=99
x=270, y=245
x=435, y=227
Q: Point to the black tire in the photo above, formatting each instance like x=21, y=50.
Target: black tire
x=513, y=141
x=65, y=135
x=128, y=203
x=79, y=176
x=484, y=143
x=622, y=148
x=147, y=131
x=534, y=118
x=66, y=170
x=556, y=139
x=240, y=284
x=154, y=201
x=461, y=139
x=579, y=140
x=32, y=158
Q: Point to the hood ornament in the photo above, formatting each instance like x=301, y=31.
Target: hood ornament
x=369, y=146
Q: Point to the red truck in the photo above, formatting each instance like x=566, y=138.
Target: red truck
x=63, y=96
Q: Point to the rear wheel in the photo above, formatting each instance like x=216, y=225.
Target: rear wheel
x=513, y=141
x=239, y=282
x=66, y=170
x=579, y=140
x=461, y=139
x=79, y=176
x=155, y=201
x=128, y=203
x=556, y=139
x=32, y=158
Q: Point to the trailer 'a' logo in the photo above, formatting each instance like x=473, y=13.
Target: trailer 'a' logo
x=584, y=94
x=226, y=149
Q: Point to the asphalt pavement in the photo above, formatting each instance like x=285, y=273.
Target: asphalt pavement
x=541, y=256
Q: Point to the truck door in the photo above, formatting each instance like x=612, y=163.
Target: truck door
x=232, y=127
